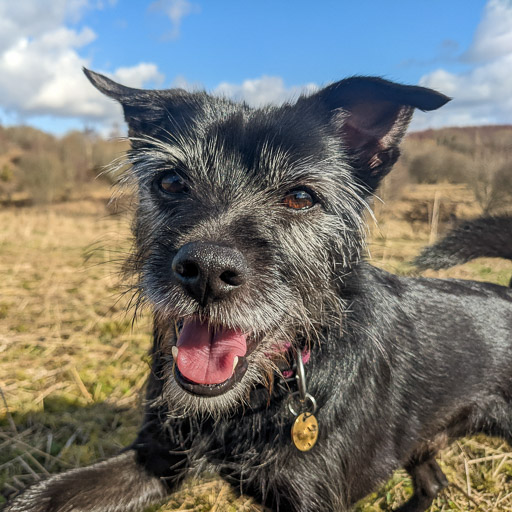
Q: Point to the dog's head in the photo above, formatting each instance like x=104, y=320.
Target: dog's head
x=248, y=219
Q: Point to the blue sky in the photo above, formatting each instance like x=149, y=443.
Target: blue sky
x=233, y=40
x=260, y=51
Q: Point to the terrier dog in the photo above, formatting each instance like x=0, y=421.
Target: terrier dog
x=281, y=359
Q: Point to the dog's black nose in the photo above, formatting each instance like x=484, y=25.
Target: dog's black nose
x=209, y=271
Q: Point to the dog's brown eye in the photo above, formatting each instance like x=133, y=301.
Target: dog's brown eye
x=173, y=184
x=298, y=200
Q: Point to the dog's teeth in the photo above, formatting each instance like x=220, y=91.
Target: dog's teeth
x=235, y=362
x=174, y=351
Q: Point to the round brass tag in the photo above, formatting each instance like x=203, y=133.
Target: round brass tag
x=305, y=431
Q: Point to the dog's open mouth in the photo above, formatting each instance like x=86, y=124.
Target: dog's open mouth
x=209, y=361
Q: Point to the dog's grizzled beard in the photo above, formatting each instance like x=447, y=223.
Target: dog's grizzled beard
x=296, y=329
x=297, y=323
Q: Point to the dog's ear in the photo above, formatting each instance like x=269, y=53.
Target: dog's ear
x=145, y=111
x=371, y=116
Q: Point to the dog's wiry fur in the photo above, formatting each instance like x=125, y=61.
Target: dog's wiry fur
x=399, y=366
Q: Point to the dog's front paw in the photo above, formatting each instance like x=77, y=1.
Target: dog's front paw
x=35, y=499
x=60, y=493
x=115, y=485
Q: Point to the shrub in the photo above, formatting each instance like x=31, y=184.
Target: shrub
x=441, y=165
x=393, y=185
x=492, y=187
x=43, y=175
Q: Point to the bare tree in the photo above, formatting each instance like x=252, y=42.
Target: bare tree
x=491, y=175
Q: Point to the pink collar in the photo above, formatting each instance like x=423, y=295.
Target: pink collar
x=306, y=354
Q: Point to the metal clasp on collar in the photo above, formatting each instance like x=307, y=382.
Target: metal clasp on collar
x=305, y=401
x=304, y=431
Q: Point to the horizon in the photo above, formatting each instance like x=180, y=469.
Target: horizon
x=116, y=130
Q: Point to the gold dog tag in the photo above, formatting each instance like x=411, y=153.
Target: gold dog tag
x=305, y=431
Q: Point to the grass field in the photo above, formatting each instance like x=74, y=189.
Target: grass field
x=72, y=368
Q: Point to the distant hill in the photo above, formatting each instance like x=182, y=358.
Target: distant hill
x=495, y=134
x=38, y=167
x=478, y=156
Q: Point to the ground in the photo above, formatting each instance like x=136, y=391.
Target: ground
x=72, y=367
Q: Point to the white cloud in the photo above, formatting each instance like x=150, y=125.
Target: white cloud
x=256, y=92
x=41, y=68
x=481, y=94
x=493, y=37
x=137, y=76
x=33, y=17
x=262, y=91
x=175, y=10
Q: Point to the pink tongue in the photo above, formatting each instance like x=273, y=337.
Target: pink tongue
x=206, y=356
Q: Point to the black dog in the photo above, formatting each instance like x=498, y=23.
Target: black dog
x=248, y=236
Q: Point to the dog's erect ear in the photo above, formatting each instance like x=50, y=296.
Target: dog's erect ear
x=371, y=115
x=145, y=111
x=112, y=89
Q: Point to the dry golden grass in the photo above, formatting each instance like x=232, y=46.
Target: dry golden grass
x=71, y=367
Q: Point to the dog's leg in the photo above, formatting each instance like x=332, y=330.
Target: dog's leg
x=146, y=472
x=119, y=484
x=428, y=481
